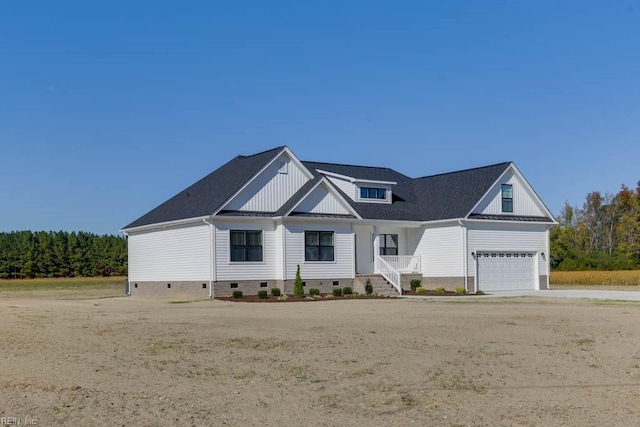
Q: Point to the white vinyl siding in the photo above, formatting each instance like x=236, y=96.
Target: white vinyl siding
x=525, y=202
x=341, y=267
x=441, y=251
x=347, y=187
x=176, y=254
x=265, y=270
x=271, y=189
x=508, y=238
x=321, y=201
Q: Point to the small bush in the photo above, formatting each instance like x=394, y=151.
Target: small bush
x=368, y=287
x=347, y=291
x=283, y=297
x=262, y=294
x=440, y=290
x=415, y=284
x=420, y=290
x=237, y=294
x=275, y=292
x=314, y=292
x=480, y=293
x=461, y=291
x=337, y=292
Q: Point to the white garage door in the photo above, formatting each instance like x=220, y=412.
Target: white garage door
x=506, y=271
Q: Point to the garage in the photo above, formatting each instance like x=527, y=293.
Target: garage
x=506, y=271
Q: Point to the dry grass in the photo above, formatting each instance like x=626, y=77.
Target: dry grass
x=67, y=283
x=608, y=278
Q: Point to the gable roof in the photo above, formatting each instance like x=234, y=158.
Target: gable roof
x=445, y=196
x=209, y=194
x=454, y=194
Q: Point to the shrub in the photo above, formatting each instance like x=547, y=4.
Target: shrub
x=262, y=294
x=415, y=284
x=337, y=292
x=283, y=297
x=347, y=291
x=275, y=292
x=440, y=290
x=298, y=290
x=461, y=291
x=237, y=294
x=368, y=287
x=420, y=290
x=479, y=293
x=314, y=292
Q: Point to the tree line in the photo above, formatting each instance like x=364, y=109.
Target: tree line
x=604, y=234
x=27, y=254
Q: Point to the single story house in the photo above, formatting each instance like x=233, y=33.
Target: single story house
x=249, y=224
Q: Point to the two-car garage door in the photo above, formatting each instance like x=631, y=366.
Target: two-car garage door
x=505, y=271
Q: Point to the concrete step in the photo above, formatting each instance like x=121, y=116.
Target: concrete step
x=380, y=285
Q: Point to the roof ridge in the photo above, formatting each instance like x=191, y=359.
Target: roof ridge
x=465, y=170
x=350, y=165
x=281, y=147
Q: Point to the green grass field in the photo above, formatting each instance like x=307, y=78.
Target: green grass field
x=596, y=278
x=115, y=284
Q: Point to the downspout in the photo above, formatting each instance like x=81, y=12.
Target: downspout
x=210, y=258
x=465, y=258
x=548, y=261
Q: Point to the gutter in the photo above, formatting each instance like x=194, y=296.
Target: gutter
x=465, y=258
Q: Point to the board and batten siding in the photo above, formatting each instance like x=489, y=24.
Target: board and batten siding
x=270, y=189
x=343, y=265
x=508, y=238
x=175, y=254
x=347, y=187
x=323, y=202
x=265, y=270
x=525, y=202
x=441, y=251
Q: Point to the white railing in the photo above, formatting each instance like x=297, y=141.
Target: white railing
x=403, y=263
x=391, y=274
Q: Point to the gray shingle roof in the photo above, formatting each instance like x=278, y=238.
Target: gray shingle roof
x=444, y=196
x=207, y=195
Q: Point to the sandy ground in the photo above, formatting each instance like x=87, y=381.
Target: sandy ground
x=147, y=362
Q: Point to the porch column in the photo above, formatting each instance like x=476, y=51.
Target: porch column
x=376, y=249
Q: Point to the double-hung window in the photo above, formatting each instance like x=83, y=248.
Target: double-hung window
x=318, y=246
x=246, y=246
x=507, y=198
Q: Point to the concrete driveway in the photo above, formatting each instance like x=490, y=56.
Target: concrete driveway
x=570, y=293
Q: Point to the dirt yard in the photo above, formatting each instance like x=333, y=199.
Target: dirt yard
x=148, y=362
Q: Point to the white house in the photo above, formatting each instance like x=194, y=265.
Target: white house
x=251, y=222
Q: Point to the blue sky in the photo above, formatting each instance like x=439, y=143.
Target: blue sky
x=108, y=109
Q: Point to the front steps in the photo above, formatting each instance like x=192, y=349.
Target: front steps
x=380, y=285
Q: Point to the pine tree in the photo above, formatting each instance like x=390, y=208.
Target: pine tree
x=298, y=290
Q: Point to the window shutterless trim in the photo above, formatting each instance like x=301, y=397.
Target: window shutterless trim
x=319, y=252
x=507, y=198
x=247, y=247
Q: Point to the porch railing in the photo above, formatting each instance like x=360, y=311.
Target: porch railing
x=403, y=263
x=391, y=274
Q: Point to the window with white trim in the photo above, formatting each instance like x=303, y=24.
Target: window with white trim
x=388, y=244
x=507, y=198
x=319, y=246
x=246, y=246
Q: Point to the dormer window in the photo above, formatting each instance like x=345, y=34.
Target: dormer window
x=373, y=193
x=507, y=198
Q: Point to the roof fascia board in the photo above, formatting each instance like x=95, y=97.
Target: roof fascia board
x=331, y=190
x=254, y=177
x=164, y=224
x=517, y=172
x=488, y=191
x=530, y=188
x=354, y=180
x=498, y=221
